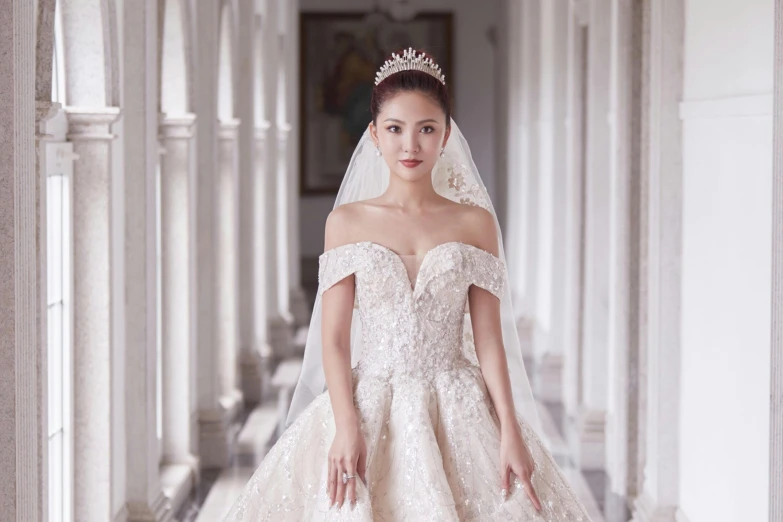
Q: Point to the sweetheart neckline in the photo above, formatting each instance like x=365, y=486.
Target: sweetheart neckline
x=401, y=263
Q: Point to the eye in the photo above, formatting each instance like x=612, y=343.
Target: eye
x=391, y=128
x=431, y=129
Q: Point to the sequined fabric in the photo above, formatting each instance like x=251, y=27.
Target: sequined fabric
x=432, y=435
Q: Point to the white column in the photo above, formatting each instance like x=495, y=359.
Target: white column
x=249, y=362
x=180, y=413
x=284, y=260
x=590, y=449
x=89, y=130
x=227, y=265
x=144, y=498
x=776, y=377
x=23, y=488
x=214, y=440
x=280, y=331
x=661, y=273
x=550, y=337
x=531, y=42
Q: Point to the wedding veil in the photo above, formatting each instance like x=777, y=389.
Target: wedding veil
x=456, y=177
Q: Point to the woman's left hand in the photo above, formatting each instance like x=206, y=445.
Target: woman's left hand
x=515, y=458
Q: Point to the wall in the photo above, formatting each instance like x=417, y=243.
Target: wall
x=727, y=140
x=473, y=107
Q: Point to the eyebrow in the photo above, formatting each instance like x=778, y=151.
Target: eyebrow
x=417, y=123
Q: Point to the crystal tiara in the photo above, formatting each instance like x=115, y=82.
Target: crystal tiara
x=409, y=61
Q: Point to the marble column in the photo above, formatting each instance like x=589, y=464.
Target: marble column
x=144, y=497
x=573, y=234
x=252, y=363
x=180, y=421
x=776, y=377
x=89, y=129
x=661, y=273
x=227, y=267
x=590, y=441
x=550, y=337
x=23, y=291
x=214, y=440
x=284, y=260
x=249, y=362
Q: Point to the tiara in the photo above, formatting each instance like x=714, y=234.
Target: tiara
x=409, y=61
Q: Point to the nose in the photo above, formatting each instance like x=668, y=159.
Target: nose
x=412, y=143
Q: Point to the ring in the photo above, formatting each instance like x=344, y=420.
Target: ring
x=346, y=476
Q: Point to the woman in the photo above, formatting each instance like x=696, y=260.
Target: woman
x=428, y=414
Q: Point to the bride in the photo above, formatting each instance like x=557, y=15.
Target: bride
x=413, y=403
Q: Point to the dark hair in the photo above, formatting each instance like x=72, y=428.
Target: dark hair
x=408, y=81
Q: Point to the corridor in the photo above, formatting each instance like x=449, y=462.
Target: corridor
x=167, y=168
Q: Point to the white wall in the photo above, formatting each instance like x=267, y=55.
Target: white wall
x=727, y=139
x=473, y=107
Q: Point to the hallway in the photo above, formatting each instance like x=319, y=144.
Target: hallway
x=167, y=168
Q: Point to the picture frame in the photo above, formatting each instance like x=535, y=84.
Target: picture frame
x=340, y=54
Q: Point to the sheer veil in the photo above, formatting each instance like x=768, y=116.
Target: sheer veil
x=456, y=177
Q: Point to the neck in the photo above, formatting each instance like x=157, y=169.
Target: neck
x=410, y=195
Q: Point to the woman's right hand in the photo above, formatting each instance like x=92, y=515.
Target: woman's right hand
x=348, y=454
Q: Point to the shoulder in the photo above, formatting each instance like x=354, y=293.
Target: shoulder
x=340, y=224
x=480, y=228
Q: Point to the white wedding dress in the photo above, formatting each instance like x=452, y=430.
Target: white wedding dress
x=432, y=435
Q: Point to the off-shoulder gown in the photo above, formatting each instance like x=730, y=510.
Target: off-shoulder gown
x=432, y=435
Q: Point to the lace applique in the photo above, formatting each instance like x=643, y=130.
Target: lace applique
x=467, y=194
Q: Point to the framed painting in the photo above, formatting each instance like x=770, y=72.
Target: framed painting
x=340, y=54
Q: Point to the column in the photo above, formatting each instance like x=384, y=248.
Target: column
x=590, y=445
x=227, y=265
x=23, y=490
x=550, y=339
x=180, y=414
x=573, y=235
x=284, y=260
x=144, y=498
x=90, y=131
x=249, y=362
x=214, y=440
x=280, y=333
x=776, y=381
x=661, y=301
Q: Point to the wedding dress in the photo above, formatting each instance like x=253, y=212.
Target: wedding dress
x=431, y=432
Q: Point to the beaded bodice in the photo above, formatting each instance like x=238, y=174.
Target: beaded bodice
x=411, y=330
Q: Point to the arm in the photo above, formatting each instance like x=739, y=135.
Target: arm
x=348, y=451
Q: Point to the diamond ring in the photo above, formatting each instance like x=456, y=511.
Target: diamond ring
x=346, y=477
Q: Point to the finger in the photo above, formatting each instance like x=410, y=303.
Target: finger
x=504, y=481
x=531, y=493
x=361, y=467
x=329, y=477
x=350, y=487
x=340, y=487
x=332, y=484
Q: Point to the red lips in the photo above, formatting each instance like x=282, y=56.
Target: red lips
x=411, y=163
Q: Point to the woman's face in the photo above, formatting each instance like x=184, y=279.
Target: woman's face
x=410, y=126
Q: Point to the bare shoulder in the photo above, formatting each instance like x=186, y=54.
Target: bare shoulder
x=340, y=223
x=480, y=228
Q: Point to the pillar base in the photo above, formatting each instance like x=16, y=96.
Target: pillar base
x=158, y=511
x=300, y=307
x=549, y=378
x=253, y=373
x=281, y=336
x=587, y=440
x=216, y=440
x=645, y=509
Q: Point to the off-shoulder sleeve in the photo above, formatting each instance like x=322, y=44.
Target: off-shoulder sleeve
x=488, y=272
x=334, y=265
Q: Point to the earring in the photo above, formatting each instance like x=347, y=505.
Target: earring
x=377, y=151
x=442, y=151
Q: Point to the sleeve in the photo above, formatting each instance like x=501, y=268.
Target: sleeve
x=488, y=272
x=334, y=265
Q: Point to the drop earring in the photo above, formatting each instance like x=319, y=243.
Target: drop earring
x=442, y=151
x=377, y=151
